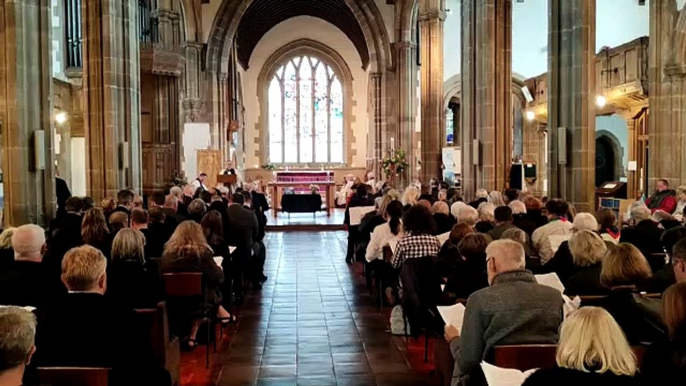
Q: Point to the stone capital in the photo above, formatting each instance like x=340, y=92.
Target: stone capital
x=431, y=16
x=193, y=108
x=405, y=45
x=376, y=75
x=675, y=71
x=193, y=45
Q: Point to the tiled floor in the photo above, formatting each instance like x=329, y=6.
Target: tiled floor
x=313, y=323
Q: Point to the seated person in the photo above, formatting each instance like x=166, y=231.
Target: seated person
x=665, y=360
x=133, y=281
x=444, y=221
x=26, y=280
x=515, y=309
x=625, y=272
x=592, y=351
x=418, y=242
x=587, y=250
x=666, y=276
x=503, y=221
x=469, y=273
x=188, y=251
x=17, y=334
x=645, y=234
x=86, y=329
x=546, y=239
x=95, y=232
x=119, y=221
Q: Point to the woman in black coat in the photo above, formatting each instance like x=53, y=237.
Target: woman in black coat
x=592, y=352
x=133, y=281
x=587, y=249
x=665, y=360
x=469, y=274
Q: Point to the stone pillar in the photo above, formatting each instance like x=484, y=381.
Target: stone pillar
x=26, y=111
x=407, y=80
x=571, y=101
x=431, y=20
x=111, y=83
x=486, y=94
x=534, y=152
x=376, y=142
x=667, y=77
x=192, y=102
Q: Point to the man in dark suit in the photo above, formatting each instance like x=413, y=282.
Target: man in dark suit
x=86, y=329
x=171, y=212
x=63, y=193
x=259, y=201
x=157, y=233
x=26, y=281
x=124, y=201
x=359, y=199
x=259, y=252
x=242, y=234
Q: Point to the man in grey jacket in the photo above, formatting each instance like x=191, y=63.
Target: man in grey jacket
x=515, y=309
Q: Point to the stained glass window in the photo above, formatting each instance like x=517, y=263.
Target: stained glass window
x=305, y=113
x=449, y=125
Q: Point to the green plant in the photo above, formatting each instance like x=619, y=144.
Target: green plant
x=268, y=166
x=178, y=179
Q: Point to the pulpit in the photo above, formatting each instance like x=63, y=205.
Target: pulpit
x=300, y=182
x=228, y=180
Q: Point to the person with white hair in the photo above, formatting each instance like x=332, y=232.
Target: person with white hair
x=455, y=208
x=486, y=212
x=644, y=233
x=514, y=309
x=26, y=281
x=441, y=214
x=467, y=215
x=480, y=196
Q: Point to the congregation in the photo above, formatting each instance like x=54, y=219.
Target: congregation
x=628, y=270
x=100, y=263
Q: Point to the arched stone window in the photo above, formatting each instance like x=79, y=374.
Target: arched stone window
x=305, y=106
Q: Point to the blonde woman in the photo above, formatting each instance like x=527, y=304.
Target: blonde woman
x=496, y=198
x=587, y=249
x=411, y=196
x=132, y=280
x=6, y=252
x=188, y=251
x=592, y=351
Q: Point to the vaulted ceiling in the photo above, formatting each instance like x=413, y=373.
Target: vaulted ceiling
x=263, y=15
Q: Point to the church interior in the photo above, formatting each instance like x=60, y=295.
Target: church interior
x=325, y=153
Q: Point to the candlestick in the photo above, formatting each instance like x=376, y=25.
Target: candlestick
x=392, y=144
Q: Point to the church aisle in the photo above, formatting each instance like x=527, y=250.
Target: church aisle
x=313, y=324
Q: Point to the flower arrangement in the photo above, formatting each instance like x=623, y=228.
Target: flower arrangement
x=178, y=179
x=268, y=166
x=394, y=163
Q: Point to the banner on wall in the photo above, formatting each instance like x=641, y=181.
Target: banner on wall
x=448, y=160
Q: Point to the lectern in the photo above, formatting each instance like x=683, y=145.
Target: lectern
x=228, y=180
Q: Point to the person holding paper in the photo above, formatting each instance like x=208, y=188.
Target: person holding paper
x=514, y=309
x=592, y=351
x=359, y=199
x=547, y=238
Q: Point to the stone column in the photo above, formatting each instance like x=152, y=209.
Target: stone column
x=486, y=94
x=376, y=143
x=407, y=81
x=192, y=102
x=111, y=83
x=667, y=76
x=431, y=20
x=571, y=102
x=26, y=112
x=534, y=152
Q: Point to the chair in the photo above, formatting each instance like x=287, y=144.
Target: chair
x=421, y=290
x=166, y=348
x=73, y=376
x=186, y=296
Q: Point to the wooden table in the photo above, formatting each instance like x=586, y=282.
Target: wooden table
x=276, y=189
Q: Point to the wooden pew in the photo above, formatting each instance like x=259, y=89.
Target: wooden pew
x=538, y=356
x=73, y=376
x=167, y=349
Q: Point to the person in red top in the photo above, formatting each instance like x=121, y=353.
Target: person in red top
x=663, y=199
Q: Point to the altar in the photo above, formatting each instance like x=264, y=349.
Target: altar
x=300, y=183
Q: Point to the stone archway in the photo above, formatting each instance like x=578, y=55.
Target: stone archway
x=609, y=155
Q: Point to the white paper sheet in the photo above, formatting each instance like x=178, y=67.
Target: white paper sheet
x=393, y=244
x=453, y=315
x=218, y=260
x=443, y=237
x=442, y=287
x=498, y=376
x=570, y=305
x=356, y=214
x=231, y=249
x=551, y=280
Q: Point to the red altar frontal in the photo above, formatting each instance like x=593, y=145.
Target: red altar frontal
x=302, y=199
